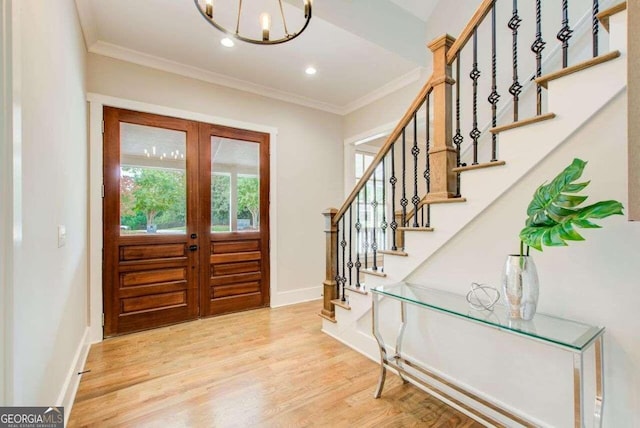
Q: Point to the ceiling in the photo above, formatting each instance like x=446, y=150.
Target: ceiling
x=362, y=49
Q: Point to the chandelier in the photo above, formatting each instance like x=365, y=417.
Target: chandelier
x=206, y=8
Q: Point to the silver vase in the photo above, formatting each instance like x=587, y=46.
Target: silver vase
x=520, y=286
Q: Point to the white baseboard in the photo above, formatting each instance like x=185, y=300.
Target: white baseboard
x=292, y=297
x=70, y=387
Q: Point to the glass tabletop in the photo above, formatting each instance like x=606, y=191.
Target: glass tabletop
x=554, y=330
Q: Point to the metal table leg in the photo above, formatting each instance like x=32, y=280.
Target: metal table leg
x=599, y=383
x=383, y=350
x=578, y=410
x=403, y=324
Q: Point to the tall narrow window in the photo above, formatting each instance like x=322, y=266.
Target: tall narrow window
x=362, y=162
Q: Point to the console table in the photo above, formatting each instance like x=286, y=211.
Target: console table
x=568, y=335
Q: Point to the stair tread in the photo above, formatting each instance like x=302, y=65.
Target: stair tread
x=478, y=166
x=373, y=272
x=333, y=320
x=544, y=80
x=340, y=303
x=523, y=122
x=432, y=201
x=604, y=16
x=360, y=290
x=393, y=253
x=416, y=229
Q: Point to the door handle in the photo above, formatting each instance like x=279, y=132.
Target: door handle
x=193, y=248
x=194, y=236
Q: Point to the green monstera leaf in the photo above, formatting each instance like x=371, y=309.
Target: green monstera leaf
x=554, y=213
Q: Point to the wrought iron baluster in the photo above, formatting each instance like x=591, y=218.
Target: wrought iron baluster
x=458, y=138
x=565, y=33
x=415, y=151
x=343, y=244
x=404, y=201
x=393, y=180
x=537, y=47
x=338, y=278
x=366, y=227
x=374, y=208
x=384, y=224
x=350, y=262
x=595, y=26
x=494, y=97
x=358, y=241
x=427, y=170
x=516, y=88
x=475, y=75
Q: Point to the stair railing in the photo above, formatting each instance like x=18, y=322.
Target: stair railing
x=420, y=162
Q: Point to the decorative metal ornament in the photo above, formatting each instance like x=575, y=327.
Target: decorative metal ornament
x=482, y=297
x=206, y=9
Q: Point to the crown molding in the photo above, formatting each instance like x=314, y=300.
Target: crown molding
x=99, y=47
x=159, y=63
x=136, y=57
x=383, y=91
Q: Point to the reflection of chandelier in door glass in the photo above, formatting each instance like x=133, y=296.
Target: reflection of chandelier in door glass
x=173, y=155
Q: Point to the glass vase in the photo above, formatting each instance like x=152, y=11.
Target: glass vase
x=520, y=286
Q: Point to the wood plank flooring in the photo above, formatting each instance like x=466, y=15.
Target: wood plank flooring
x=263, y=368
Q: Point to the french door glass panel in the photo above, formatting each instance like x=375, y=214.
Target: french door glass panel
x=153, y=174
x=235, y=185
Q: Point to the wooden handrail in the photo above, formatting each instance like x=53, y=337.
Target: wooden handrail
x=466, y=34
x=408, y=116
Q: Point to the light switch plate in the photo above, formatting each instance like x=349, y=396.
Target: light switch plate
x=62, y=235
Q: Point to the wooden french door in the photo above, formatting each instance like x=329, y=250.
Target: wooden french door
x=185, y=214
x=235, y=254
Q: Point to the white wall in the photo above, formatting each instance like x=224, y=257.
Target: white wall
x=446, y=18
x=308, y=159
x=634, y=113
x=5, y=179
x=594, y=281
x=49, y=307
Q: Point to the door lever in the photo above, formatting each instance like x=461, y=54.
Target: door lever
x=193, y=248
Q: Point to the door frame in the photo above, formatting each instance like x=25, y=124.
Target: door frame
x=96, y=104
x=10, y=184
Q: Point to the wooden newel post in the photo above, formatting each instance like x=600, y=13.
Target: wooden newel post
x=330, y=293
x=442, y=156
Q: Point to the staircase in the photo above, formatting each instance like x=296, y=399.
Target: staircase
x=457, y=187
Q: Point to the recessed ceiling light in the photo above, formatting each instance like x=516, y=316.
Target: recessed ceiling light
x=227, y=42
x=310, y=71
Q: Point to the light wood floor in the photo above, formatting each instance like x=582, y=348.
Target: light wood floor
x=265, y=368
